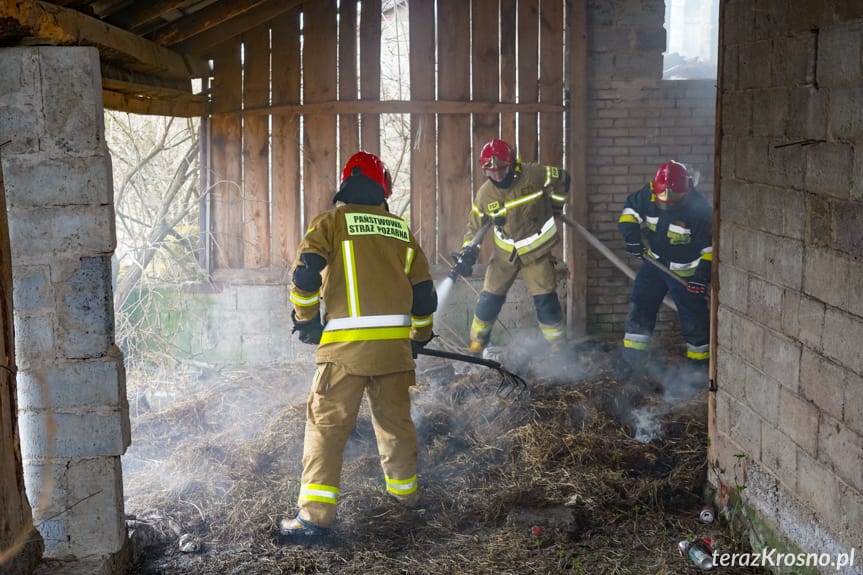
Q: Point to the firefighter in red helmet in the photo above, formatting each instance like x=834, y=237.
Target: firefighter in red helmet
x=367, y=341
x=677, y=223
x=522, y=200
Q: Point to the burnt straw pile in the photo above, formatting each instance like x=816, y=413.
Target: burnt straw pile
x=589, y=471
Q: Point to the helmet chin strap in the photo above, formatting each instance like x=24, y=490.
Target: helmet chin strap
x=506, y=182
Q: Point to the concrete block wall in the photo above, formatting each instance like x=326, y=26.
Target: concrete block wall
x=73, y=413
x=243, y=320
x=789, y=402
x=636, y=122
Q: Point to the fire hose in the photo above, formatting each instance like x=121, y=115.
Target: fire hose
x=474, y=242
x=603, y=249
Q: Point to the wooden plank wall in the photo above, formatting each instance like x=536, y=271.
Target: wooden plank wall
x=286, y=222
x=423, y=151
x=477, y=52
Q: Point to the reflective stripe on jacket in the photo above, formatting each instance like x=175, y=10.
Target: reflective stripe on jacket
x=373, y=262
x=526, y=205
x=680, y=238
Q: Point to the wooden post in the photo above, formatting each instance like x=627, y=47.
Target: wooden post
x=528, y=72
x=424, y=203
x=349, y=124
x=454, y=133
x=287, y=215
x=256, y=150
x=226, y=155
x=508, y=12
x=319, y=133
x=576, y=287
x=370, y=73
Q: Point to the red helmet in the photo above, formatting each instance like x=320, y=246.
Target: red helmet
x=670, y=185
x=496, y=159
x=370, y=166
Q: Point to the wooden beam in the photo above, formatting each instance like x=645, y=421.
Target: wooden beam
x=454, y=132
x=153, y=92
x=138, y=15
x=507, y=67
x=319, y=84
x=370, y=72
x=202, y=20
x=256, y=150
x=402, y=107
x=206, y=41
x=528, y=73
x=349, y=124
x=65, y=27
x=576, y=154
x=124, y=102
x=423, y=128
x=111, y=72
x=286, y=218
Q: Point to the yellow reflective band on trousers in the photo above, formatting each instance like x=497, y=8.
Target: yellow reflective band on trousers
x=479, y=327
x=636, y=341
x=552, y=333
x=319, y=493
x=402, y=486
x=698, y=352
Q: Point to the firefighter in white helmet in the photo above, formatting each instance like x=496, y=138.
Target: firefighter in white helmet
x=522, y=200
x=380, y=300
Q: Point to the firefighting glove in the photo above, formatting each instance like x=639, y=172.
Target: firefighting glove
x=464, y=261
x=696, y=287
x=416, y=346
x=635, y=249
x=499, y=221
x=310, y=331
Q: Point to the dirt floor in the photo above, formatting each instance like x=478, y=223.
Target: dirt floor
x=589, y=471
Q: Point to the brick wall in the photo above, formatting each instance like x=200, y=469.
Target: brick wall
x=790, y=323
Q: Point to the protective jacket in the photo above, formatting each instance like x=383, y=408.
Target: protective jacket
x=680, y=238
x=523, y=212
x=377, y=289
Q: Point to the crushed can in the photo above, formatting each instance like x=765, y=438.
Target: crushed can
x=188, y=543
x=700, y=552
x=707, y=515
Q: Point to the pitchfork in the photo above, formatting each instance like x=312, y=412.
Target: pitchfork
x=511, y=384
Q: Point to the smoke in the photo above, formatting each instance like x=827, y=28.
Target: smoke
x=679, y=384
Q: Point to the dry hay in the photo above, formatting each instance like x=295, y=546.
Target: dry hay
x=224, y=465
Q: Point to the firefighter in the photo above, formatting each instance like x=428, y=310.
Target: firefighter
x=522, y=200
x=373, y=278
x=678, y=224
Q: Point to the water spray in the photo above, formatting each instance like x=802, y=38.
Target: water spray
x=445, y=287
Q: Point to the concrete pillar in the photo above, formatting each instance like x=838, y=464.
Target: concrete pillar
x=73, y=413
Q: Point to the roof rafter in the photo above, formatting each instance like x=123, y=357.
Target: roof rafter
x=138, y=15
x=202, y=20
x=52, y=24
x=206, y=41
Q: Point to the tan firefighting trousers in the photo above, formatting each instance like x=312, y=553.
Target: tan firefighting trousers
x=331, y=412
x=539, y=277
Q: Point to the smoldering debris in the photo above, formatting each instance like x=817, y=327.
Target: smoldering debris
x=562, y=459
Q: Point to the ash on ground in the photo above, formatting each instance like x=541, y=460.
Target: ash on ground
x=591, y=470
